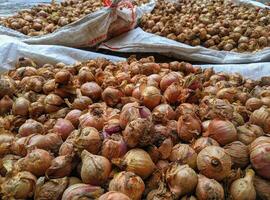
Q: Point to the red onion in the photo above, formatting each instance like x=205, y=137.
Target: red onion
x=6, y=141
x=30, y=127
x=113, y=147
x=112, y=126
x=92, y=90
x=5, y=104
x=73, y=117
x=63, y=128
x=21, y=106
x=172, y=93
x=112, y=195
x=82, y=191
x=151, y=97
x=168, y=79
x=163, y=113
x=203, y=142
x=111, y=96
x=81, y=103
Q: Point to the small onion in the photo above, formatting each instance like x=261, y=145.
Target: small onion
x=20, y=186
x=253, y=104
x=163, y=113
x=172, y=93
x=92, y=90
x=51, y=189
x=111, y=96
x=95, y=169
x=5, y=104
x=36, y=162
x=112, y=195
x=63, y=128
x=138, y=132
x=261, y=117
x=168, y=79
x=82, y=191
x=203, y=142
x=151, y=97
x=184, y=154
x=214, y=162
x=29, y=127
x=248, y=133
x=81, y=103
x=243, y=188
x=162, y=193
x=189, y=127
x=209, y=189
x=137, y=161
x=113, y=147
x=21, y=107
x=181, y=179
x=73, y=117
x=239, y=153
x=259, y=156
x=129, y=184
x=222, y=131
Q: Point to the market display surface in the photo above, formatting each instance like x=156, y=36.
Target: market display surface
x=135, y=129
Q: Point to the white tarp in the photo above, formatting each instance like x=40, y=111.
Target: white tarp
x=11, y=50
x=92, y=29
x=138, y=40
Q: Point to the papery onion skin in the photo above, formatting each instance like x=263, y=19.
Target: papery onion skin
x=89, y=120
x=243, y=188
x=6, y=141
x=21, y=107
x=129, y=184
x=113, y=147
x=51, y=189
x=181, y=179
x=151, y=97
x=162, y=193
x=261, y=117
x=137, y=161
x=20, y=186
x=222, y=131
x=92, y=90
x=168, y=79
x=184, y=154
x=163, y=113
x=239, y=154
x=73, y=117
x=36, y=162
x=29, y=127
x=259, y=156
x=111, y=96
x=214, y=162
x=203, y=142
x=138, y=132
x=188, y=127
x=5, y=104
x=95, y=169
x=209, y=189
x=248, y=133
x=112, y=195
x=80, y=191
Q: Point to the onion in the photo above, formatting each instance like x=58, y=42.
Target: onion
x=261, y=117
x=92, y=90
x=172, y=93
x=61, y=166
x=51, y=189
x=203, y=142
x=7, y=164
x=112, y=195
x=185, y=108
x=239, y=154
x=184, y=154
x=161, y=193
x=67, y=148
x=30, y=127
x=262, y=188
x=20, y=186
x=253, y=104
x=113, y=147
x=243, y=189
x=165, y=148
x=259, y=156
x=36, y=162
x=188, y=198
x=81, y=103
x=7, y=86
x=82, y=191
x=222, y=131
x=129, y=184
x=95, y=169
x=112, y=126
x=6, y=141
x=73, y=117
x=85, y=75
x=163, y=113
x=208, y=189
x=248, y=133
x=62, y=76
x=87, y=139
x=137, y=161
x=214, y=162
x=5, y=104
x=168, y=79
x=177, y=177
x=21, y=107
x=53, y=103
x=111, y=96
x=138, y=132
x=188, y=127
x=63, y=128
x=266, y=101
x=151, y=97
